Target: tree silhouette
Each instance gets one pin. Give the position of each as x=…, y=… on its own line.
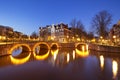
x=100, y=23
x=78, y=29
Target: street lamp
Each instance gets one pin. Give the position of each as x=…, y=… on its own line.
x=114, y=39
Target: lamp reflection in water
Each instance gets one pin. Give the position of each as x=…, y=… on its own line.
x=73, y=54
x=83, y=48
x=54, y=53
x=19, y=61
x=84, y=52
x=87, y=47
x=102, y=61
x=68, y=57
x=114, y=68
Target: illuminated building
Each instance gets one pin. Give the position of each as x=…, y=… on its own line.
x=59, y=32
x=114, y=33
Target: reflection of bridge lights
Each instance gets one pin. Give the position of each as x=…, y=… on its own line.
x=83, y=48
x=54, y=51
x=68, y=57
x=73, y=54
x=82, y=53
x=55, y=55
x=37, y=49
x=41, y=57
x=101, y=61
x=19, y=61
x=86, y=47
x=114, y=68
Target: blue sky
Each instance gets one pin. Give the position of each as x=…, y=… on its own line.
x=28, y=15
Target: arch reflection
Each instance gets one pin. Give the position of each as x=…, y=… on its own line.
x=17, y=51
x=82, y=53
x=54, y=53
x=18, y=61
x=42, y=56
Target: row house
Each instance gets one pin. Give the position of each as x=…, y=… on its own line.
x=114, y=33
x=59, y=32
x=6, y=32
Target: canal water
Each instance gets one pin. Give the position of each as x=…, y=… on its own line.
x=60, y=64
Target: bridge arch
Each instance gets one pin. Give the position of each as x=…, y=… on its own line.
x=54, y=46
x=39, y=43
x=25, y=47
x=77, y=44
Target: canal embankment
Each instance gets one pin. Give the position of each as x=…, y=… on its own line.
x=67, y=45
x=104, y=48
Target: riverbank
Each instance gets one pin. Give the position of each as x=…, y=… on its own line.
x=104, y=48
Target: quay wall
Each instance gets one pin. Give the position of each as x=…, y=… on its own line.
x=104, y=48
x=4, y=49
x=67, y=45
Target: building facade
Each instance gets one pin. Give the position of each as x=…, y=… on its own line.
x=59, y=32
x=114, y=33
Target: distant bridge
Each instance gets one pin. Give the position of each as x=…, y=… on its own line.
x=31, y=46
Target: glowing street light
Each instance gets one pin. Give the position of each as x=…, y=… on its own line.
x=101, y=38
x=114, y=37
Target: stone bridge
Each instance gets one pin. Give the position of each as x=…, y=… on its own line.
x=30, y=46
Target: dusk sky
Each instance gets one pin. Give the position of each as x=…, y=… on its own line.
x=28, y=15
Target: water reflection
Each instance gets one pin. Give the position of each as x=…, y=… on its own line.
x=68, y=57
x=54, y=53
x=82, y=53
x=102, y=61
x=17, y=61
x=17, y=51
x=114, y=68
x=73, y=54
x=37, y=49
x=41, y=54
x=74, y=61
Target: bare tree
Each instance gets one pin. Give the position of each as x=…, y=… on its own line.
x=77, y=28
x=90, y=35
x=80, y=29
x=73, y=26
x=100, y=23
